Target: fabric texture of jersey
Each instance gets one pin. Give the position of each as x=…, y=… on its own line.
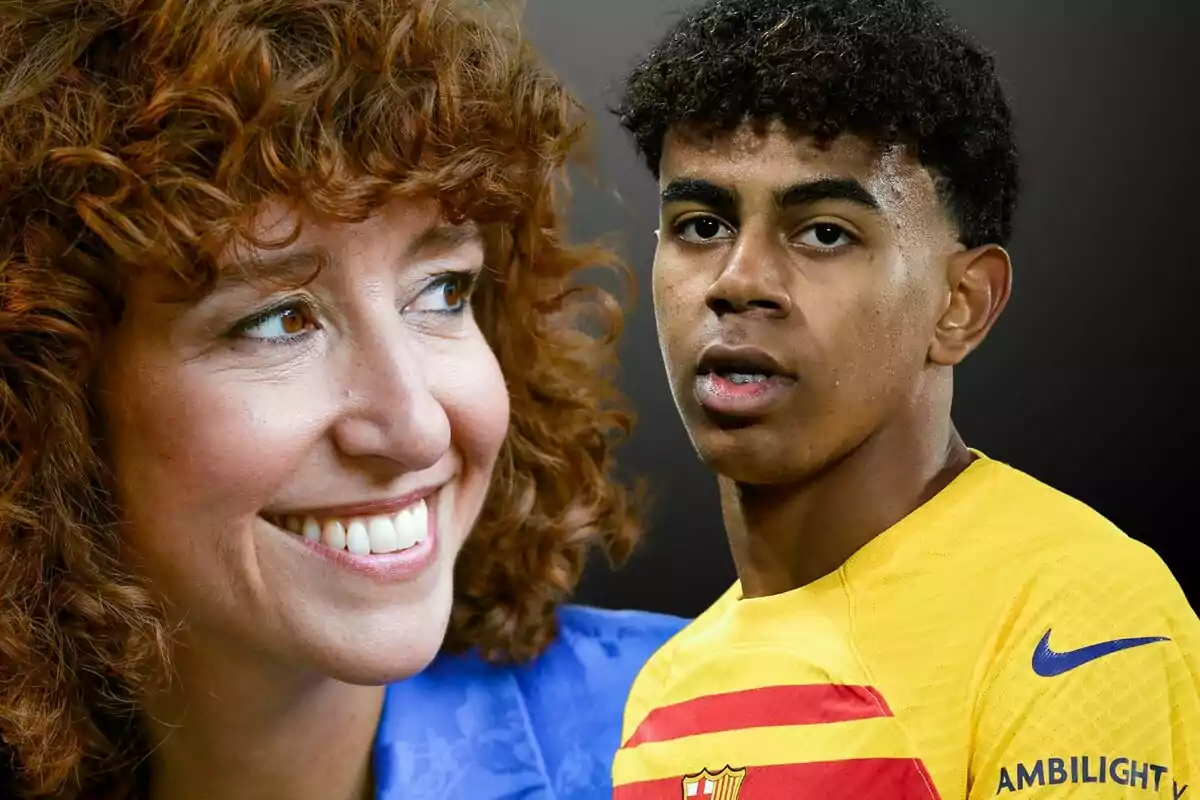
x=546, y=730
x=1002, y=640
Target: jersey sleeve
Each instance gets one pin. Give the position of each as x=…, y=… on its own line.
x=645, y=692
x=1094, y=689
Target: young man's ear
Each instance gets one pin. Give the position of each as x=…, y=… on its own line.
x=979, y=283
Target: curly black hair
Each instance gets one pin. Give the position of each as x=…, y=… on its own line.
x=891, y=71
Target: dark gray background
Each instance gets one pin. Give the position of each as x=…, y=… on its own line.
x=1086, y=381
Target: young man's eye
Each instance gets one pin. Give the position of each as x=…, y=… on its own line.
x=698, y=230
x=825, y=236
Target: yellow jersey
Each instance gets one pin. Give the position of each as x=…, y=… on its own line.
x=1002, y=640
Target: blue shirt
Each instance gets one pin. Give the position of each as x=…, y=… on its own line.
x=546, y=730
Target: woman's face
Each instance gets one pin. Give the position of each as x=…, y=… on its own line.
x=297, y=468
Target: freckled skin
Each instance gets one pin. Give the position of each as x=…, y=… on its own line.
x=380, y=398
x=870, y=327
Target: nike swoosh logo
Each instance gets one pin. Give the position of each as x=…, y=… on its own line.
x=1049, y=663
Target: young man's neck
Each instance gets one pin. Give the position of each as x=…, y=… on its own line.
x=234, y=728
x=786, y=536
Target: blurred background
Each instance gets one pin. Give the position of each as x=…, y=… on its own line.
x=1086, y=381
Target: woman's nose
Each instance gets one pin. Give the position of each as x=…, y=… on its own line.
x=390, y=411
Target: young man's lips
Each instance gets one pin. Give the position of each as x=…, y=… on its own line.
x=746, y=359
x=742, y=395
x=740, y=381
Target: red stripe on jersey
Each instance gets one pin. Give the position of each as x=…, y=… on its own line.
x=764, y=707
x=893, y=778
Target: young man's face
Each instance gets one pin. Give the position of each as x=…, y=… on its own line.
x=797, y=292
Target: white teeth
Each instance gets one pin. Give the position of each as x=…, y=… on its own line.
x=311, y=530
x=746, y=377
x=382, y=534
x=366, y=535
x=358, y=541
x=420, y=515
x=406, y=529
x=333, y=535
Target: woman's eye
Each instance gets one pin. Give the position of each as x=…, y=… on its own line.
x=446, y=295
x=699, y=230
x=825, y=236
x=287, y=322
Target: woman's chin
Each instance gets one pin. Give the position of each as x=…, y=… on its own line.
x=384, y=648
x=373, y=671
x=364, y=646
x=380, y=660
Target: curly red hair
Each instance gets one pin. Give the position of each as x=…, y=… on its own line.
x=142, y=135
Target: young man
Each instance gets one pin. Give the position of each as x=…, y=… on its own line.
x=912, y=619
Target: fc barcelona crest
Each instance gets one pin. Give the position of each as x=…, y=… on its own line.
x=721, y=785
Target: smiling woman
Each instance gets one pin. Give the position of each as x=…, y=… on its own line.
x=292, y=401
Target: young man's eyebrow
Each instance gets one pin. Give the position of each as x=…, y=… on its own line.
x=809, y=192
x=724, y=201
x=706, y=193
